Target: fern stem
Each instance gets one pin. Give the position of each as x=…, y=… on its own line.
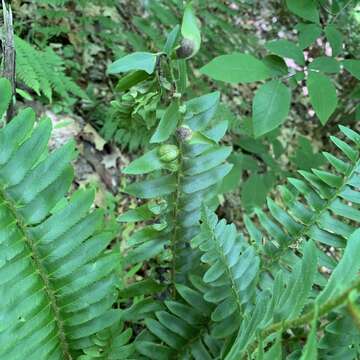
x=306, y=318
x=173, y=243
x=36, y=257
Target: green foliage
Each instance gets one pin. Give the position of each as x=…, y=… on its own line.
x=133, y=116
x=58, y=280
x=43, y=72
x=245, y=68
x=236, y=68
x=5, y=91
x=194, y=281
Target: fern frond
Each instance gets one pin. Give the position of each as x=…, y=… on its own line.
x=194, y=178
x=323, y=206
x=232, y=272
x=340, y=335
x=43, y=71
x=277, y=282
x=182, y=331
x=57, y=280
x=110, y=344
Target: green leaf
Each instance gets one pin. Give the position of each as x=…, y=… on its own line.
x=200, y=138
x=286, y=49
x=167, y=124
x=145, y=164
x=5, y=95
x=153, y=188
x=171, y=40
x=335, y=39
x=255, y=190
x=299, y=284
x=345, y=272
x=275, y=352
x=236, y=68
x=353, y=67
x=271, y=106
x=130, y=80
x=305, y=158
x=322, y=95
x=144, y=287
x=308, y=33
x=276, y=64
x=136, y=61
x=310, y=350
x=190, y=29
x=200, y=110
x=307, y=9
x=325, y=64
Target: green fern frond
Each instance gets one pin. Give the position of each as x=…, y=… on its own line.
x=323, y=206
x=184, y=183
x=110, y=344
x=232, y=272
x=43, y=71
x=57, y=279
x=340, y=335
x=132, y=117
x=182, y=331
x=278, y=282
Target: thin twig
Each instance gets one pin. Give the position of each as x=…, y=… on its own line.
x=8, y=48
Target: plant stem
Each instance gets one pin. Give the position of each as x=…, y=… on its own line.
x=307, y=317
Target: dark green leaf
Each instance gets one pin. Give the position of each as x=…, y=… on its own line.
x=307, y=9
x=286, y=49
x=145, y=163
x=353, y=67
x=171, y=40
x=276, y=64
x=200, y=110
x=322, y=95
x=335, y=39
x=345, y=272
x=126, y=82
x=325, y=64
x=167, y=124
x=308, y=33
x=270, y=107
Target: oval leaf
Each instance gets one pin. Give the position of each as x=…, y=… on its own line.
x=286, y=49
x=145, y=164
x=335, y=39
x=135, y=61
x=270, y=107
x=325, y=64
x=308, y=33
x=306, y=9
x=322, y=95
x=190, y=29
x=353, y=67
x=236, y=68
